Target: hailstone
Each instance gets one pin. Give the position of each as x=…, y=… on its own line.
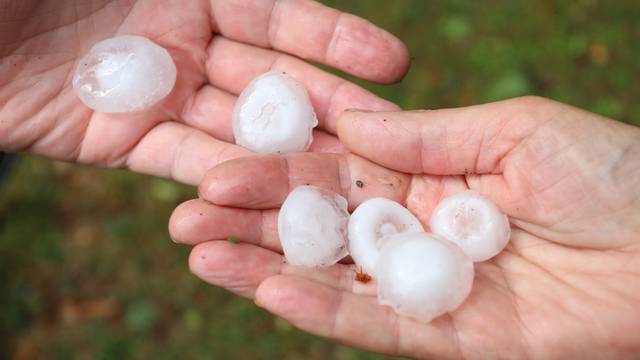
x=124, y=74
x=369, y=226
x=422, y=275
x=473, y=222
x=274, y=115
x=312, y=225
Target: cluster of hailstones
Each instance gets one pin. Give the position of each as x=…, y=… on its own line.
x=419, y=274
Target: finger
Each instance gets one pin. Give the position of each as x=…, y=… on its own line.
x=242, y=267
x=353, y=319
x=263, y=182
x=106, y=139
x=209, y=109
x=325, y=143
x=197, y=221
x=232, y=65
x=339, y=276
x=475, y=139
x=313, y=31
x=175, y=151
x=239, y=268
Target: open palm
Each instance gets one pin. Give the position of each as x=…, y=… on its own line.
x=218, y=47
x=566, y=286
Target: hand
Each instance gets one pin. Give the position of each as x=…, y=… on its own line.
x=218, y=47
x=566, y=286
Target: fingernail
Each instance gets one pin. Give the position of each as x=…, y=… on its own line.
x=258, y=303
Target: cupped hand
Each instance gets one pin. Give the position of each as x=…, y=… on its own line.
x=218, y=47
x=566, y=286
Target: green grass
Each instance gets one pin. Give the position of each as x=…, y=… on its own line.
x=584, y=53
x=87, y=269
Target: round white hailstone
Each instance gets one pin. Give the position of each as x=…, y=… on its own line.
x=369, y=226
x=124, y=74
x=312, y=226
x=473, y=222
x=273, y=115
x=422, y=275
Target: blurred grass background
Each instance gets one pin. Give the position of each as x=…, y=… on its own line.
x=87, y=269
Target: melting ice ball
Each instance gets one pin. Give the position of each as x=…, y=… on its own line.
x=124, y=74
x=422, y=275
x=473, y=222
x=369, y=226
x=274, y=115
x=312, y=226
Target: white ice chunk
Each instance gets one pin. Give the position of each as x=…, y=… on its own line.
x=274, y=115
x=312, y=226
x=124, y=74
x=473, y=222
x=369, y=225
x=422, y=275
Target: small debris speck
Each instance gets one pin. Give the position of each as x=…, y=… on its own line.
x=359, y=184
x=233, y=239
x=362, y=276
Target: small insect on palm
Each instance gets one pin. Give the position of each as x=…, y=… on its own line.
x=362, y=276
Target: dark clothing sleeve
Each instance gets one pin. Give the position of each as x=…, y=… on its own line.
x=5, y=165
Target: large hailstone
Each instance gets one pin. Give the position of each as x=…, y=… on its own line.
x=422, y=275
x=273, y=115
x=369, y=226
x=473, y=222
x=124, y=74
x=312, y=226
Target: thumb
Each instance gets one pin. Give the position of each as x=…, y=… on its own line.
x=469, y=140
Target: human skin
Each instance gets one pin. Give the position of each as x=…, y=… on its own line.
x=218, y=47
x=566, y=286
